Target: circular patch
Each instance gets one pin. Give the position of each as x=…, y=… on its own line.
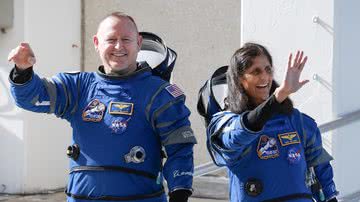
x=253, y=187
x=294, y=155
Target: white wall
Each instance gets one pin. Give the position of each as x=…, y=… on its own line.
x=346, y=92
x=32, y=146
x=11, y=124
x=286, y=26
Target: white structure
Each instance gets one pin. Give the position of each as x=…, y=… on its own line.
x=346, y=96
x=33, y=146
x=328, y=33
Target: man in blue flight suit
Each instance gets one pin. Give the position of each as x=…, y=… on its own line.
x=124, y=120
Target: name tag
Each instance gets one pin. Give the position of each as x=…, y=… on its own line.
x=121, y=108
x=289, y=138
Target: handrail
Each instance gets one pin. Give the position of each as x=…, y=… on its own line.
x=341, y=121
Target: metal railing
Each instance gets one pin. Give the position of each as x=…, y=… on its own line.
x=346, y=119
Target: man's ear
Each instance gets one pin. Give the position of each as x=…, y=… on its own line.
x=139, y=41
x=96, y=42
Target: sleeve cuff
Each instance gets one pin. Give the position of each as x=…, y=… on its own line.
x=20, y=77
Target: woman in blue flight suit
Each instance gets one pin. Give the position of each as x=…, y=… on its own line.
x=273, y=152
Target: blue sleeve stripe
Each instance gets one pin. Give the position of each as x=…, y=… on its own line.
x=77, y=98
x=160, y=110
x=148, y=106
x=312, y=150
x=312, y=141
x=66, y=94
x=320, y=159
x=165, y=124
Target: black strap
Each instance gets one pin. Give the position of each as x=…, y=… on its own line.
x=290, y=197
x=113, y=168
x=117, y=198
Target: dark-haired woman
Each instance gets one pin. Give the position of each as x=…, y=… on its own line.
x=273, y=152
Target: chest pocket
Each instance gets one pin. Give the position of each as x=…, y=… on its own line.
x=276, y=126
x=113, y=91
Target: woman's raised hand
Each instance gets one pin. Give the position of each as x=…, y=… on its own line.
x=291, y=82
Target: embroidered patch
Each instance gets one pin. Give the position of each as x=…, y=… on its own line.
x=119, y=125
x=294, y=155
x=174, y=90
x=289, y=138
x=121, y=108
x=267, y=148
x=94, y=111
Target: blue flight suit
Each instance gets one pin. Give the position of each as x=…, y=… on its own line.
x=122, y=125
x=271, y=164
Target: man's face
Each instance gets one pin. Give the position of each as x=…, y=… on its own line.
x=118, y=43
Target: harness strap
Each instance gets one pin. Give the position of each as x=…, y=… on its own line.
x=113, y=168
x=290, y=197
x=117, y=198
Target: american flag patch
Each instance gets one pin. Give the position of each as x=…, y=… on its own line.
x=174, y=90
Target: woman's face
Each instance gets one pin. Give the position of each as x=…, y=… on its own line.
x=257, y=79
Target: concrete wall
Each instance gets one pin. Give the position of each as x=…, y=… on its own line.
x=331, y=42
x=204, y=34
x=11, y=124
x=32, y=146
x=346, y=95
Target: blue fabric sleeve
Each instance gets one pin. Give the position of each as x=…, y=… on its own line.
x=318, y=157
x=315, y=154
x=170, y=119
x=324, y=174
x=228, y=140
x=57, y=95
x=179, y=166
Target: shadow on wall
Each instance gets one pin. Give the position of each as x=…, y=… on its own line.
x=11, y=143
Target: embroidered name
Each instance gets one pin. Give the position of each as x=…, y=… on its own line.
x=178, y=173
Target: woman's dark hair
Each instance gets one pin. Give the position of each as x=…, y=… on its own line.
x=237, y=100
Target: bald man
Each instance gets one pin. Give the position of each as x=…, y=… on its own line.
x=125, y=120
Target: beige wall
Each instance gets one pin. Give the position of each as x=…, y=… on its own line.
x=204, y=33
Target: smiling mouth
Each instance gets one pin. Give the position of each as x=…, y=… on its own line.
x=263, y=86
x=118, y=54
